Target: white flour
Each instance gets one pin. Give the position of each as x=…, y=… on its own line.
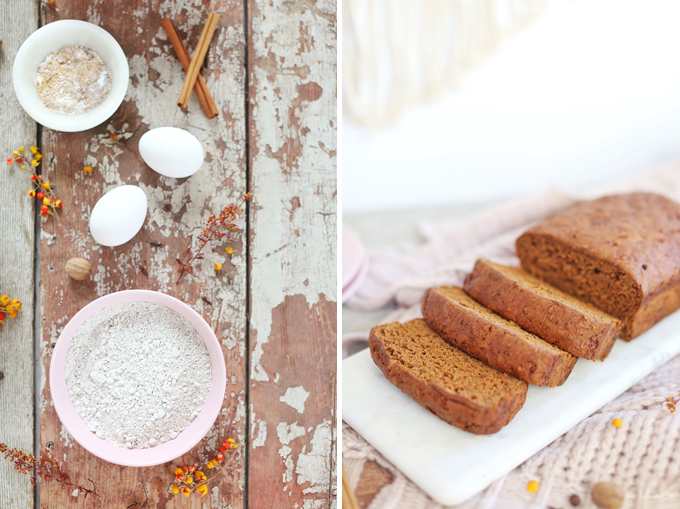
x=138, y=373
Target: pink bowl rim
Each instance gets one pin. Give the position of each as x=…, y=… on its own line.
x=162, y=453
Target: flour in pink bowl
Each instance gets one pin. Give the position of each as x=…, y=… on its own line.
x=138, y=374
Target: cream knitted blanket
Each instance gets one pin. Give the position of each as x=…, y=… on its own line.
x=640, y=456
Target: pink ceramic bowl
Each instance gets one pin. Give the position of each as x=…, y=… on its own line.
x=167, y=451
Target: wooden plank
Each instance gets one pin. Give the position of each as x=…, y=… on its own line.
x=17, y=251
x=177, y=208
x=292, y=133
x=373, y=478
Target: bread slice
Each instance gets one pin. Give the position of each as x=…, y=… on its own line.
x=449, y=383
x=492, y=339
x=554, y=316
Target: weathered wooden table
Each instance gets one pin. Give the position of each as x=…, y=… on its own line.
x=272, y=71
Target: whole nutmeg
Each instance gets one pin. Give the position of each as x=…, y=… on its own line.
x=608, y=496
x=78, y=268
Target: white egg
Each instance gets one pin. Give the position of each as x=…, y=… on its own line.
x=172, y=152
x=118, y=215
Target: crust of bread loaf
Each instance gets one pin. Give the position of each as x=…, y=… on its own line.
x=554, y=316
x=460, y=411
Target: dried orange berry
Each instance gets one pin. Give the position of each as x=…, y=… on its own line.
x=46, y=185
x=218, y=266
x=617, y=423
x=40, y=195
x=219, y=457
x=46, y=201
x=114, y=137
x=31, y=193
x=229, y=250
x=532, y=487
x=10, y=160
x=58, y=204
x=192, y=468
x=175, y=489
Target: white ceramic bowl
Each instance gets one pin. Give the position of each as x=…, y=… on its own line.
x=51, y=38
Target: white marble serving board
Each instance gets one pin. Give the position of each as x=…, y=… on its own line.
x=452, y=465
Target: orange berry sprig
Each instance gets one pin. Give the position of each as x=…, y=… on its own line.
x=50, y=4
x=190, y=479
x=46, y=468
x=9, y=306
x=216, y=227
x=42, y=190
x=671, y=402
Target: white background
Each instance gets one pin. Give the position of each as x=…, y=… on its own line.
x=587, y=93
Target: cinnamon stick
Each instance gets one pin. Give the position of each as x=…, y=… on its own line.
x=201, y=89
x=197, y=59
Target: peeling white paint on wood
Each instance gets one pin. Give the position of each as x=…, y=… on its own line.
x=16, y=271
x=295, y=397
x=314, y=467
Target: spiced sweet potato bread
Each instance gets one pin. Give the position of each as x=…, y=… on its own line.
x=554, y=316
x=620, y=253
x=449, y=383
x=492, y=339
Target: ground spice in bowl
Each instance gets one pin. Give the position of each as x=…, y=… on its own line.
x=137, y=373
x=73, y=80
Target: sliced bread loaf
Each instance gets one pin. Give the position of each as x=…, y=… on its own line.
x=492, y=339
x=449, y=383
x=620, y=253
x=560, y=319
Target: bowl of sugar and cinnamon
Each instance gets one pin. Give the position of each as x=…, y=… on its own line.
x=70, y=75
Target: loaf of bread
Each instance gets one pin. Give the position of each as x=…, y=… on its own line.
x=492, y=339
x=554, y=316
x=620, y=253
x=449, y=383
